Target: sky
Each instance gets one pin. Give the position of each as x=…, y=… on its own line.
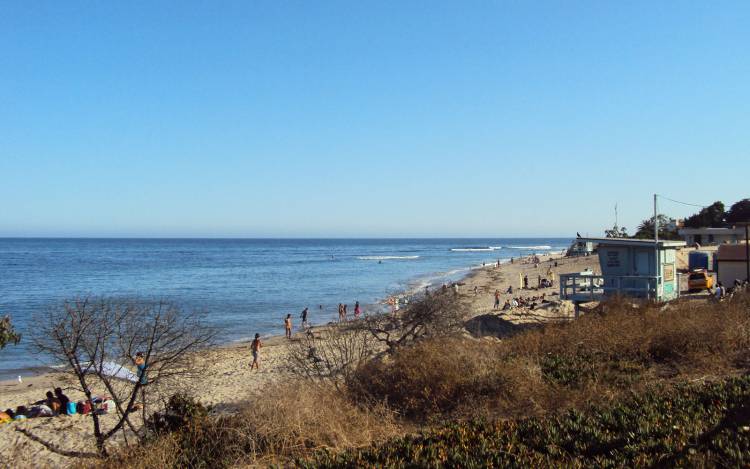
x=367, y=119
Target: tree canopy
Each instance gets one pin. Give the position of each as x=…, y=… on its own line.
x=739, y=211
x=8, y=335
x=713, y=216
x=646, y=229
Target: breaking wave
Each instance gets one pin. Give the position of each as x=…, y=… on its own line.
x=477, y=249
x=385, y=258
x=545, y=247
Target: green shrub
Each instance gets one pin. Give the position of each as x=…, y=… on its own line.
x=689, y=425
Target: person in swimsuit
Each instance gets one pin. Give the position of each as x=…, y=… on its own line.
x=255, y=348
x=357, y=310
x=497, y=299
x=288, y=326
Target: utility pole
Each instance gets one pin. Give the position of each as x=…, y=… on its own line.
x=656, y=221
x=656, y=247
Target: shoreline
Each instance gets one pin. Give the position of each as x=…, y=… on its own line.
x=32, y=373
x=41, y=373
x=226, y=380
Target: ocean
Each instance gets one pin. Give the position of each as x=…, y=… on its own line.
x=245, y=285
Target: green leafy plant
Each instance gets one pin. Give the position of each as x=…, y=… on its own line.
x=8, y=334
x=698, y=425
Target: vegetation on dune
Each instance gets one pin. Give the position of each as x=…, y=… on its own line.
x=622, y=385
x=689, y=425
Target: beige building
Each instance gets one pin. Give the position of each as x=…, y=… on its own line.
x=732, y=263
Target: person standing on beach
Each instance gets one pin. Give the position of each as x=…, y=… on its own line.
x=497, y=299
x=288, y=326
x=525, y=282
x=343, y=312
x=255, y=348
x=357, y=310
x=304, y=318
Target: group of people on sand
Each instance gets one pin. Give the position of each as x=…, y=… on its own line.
x=54, y=404
x=256, y=344
x=530, y=302
x=541, y=282
x=344, y=311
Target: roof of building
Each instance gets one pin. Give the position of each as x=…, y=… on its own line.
x=714, y=231
x=634, y=242
x=732, y=252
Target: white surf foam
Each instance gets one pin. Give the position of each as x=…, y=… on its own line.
x=531, y=247
x=488, y=248
x=384, y=258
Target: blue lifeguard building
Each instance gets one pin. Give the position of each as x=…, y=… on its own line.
x=638, y=268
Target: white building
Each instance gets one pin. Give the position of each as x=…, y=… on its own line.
x=707, y=236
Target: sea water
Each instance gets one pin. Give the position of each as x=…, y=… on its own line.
x=245, y=285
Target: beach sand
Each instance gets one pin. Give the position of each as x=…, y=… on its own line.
x=226, y=379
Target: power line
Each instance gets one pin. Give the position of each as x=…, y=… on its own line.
x=683, y=203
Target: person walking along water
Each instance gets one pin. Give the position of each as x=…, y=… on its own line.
x=255, y=348
x=303, y=316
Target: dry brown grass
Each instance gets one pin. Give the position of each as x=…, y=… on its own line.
x=600, y=357
x=596, y=358
x=284, y=422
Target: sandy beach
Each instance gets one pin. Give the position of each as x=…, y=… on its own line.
x=226, y=378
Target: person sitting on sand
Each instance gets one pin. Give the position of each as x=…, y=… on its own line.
x=288, y=326
x=20, y=413
x=53, y=403
x=64, y=400
x=255, y=348
x=506, y=306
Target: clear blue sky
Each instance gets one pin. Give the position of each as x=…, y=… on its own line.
x=348, y=118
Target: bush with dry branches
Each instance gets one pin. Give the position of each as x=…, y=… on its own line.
x=94, y=337
x=332, y=353
x=434, y=315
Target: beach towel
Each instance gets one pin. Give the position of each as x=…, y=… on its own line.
x=115, y=370
x=40, y=411
x=71, y=407
x=4, y=418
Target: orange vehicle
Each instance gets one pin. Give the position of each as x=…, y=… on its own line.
x=700, y=280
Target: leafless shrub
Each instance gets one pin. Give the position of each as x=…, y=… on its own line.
x=332, y=353
x=429, y=316
x=95, y=337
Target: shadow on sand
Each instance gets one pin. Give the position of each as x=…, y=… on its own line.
x=491, y=325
